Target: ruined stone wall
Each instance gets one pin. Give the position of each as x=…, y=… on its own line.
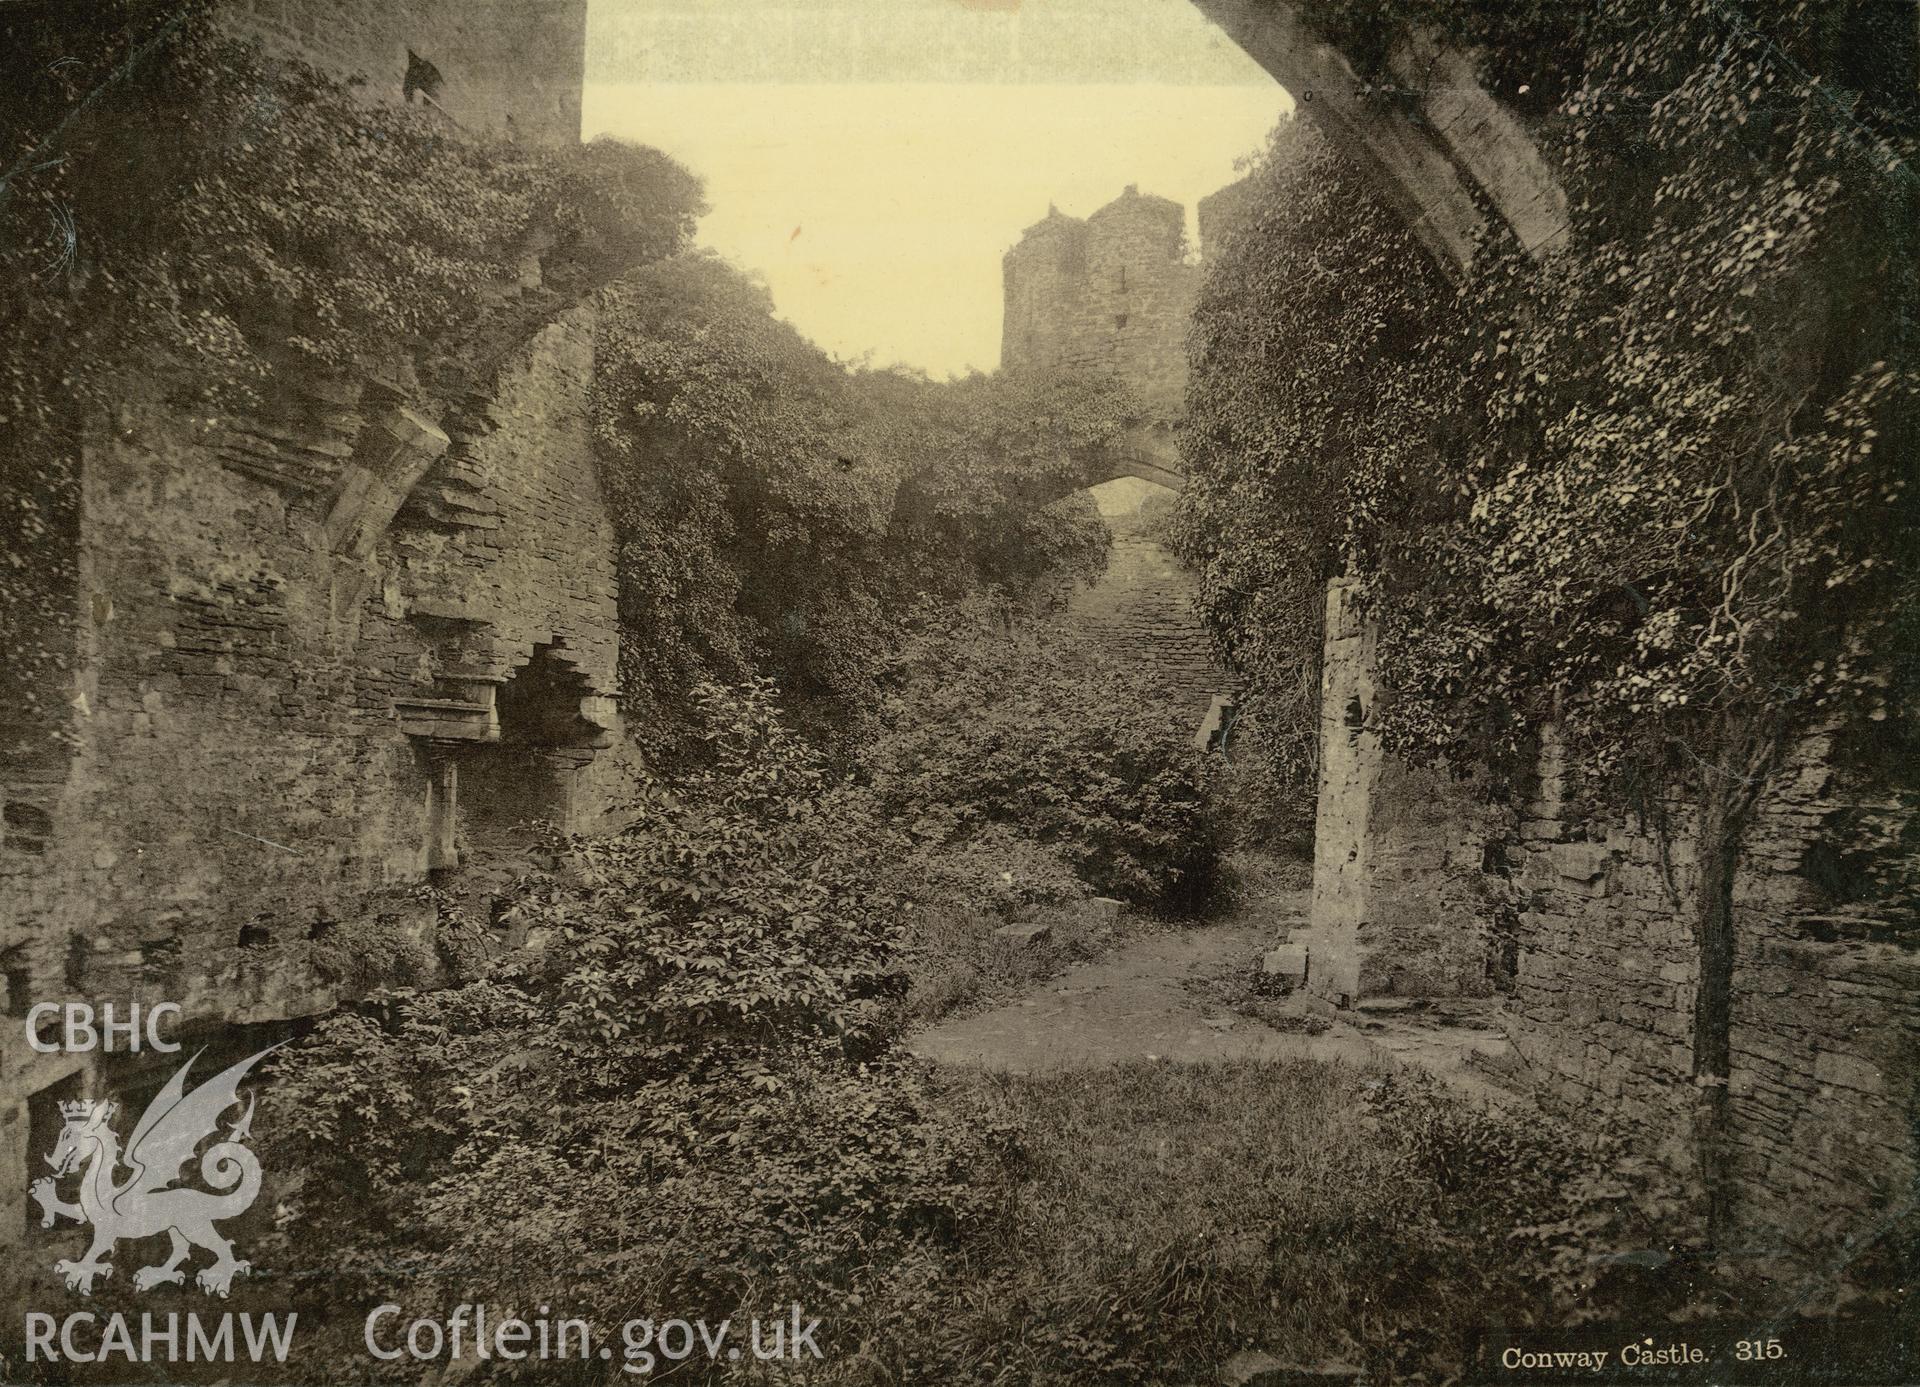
x=1141, y=608
x=513, y=67
x=1826, y=1004
x=1350, y=759
x=1588, y=924
x=1403, y=901
x=296, y=628
x=1112, y=293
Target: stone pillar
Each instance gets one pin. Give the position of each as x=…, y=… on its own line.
x=1349, y=775
x=443, y=805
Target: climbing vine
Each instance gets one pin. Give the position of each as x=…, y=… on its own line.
x=1662, y=480
x=1304, y=372
x=780, y=513
x=1656, y=490
x=177, y=206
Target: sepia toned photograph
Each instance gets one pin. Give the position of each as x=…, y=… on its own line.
x=959, y=693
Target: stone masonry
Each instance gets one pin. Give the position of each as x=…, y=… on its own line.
x=1113, y=292
x=322, y=649
x=1587, y=924
x=289, y=655
x=1406, y=898
x=1826, y=999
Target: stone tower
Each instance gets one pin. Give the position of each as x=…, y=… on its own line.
x=1113, y=292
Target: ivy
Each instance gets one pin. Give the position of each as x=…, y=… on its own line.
x=1681, y=499
x=1654, y=484
x=779, y=513
x=181, y=208
x=1656, y=491
x=1305, y=376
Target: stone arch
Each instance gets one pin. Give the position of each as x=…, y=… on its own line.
x=1436, y=155
x=1146, y=451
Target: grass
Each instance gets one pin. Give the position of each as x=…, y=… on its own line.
x=957, y=964
x=1160, y=1218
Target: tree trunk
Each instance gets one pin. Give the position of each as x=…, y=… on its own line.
x=1729, y=789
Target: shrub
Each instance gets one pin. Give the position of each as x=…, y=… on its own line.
x=668, y=1099
x=780, y=513
x=1031, y=730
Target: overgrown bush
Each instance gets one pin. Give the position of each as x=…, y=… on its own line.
x=213, y=206
x=1028, y=728
x=671, y=1099
x=779, y=513
x=1269, y=779
x=1303, y=361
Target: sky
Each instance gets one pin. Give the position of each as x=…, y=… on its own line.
x=872, y=160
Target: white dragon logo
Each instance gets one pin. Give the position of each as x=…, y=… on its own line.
x=142, y=1205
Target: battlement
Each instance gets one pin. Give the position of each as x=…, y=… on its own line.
x=1111, y=292
x=509, y=67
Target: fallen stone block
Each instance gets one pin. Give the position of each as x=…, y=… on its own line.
x=1245, y=1367
x=1024, y=935
x=1286, y=961
x=1106, y=909
x=1216, y=726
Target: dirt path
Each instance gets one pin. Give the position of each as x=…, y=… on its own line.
x=1139, y=1004
x=1127, y=1007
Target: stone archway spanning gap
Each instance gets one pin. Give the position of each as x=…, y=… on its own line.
x=1433, y=156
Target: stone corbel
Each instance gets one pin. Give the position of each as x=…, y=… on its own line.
x=390, y=457
x=600, y=712
x=458, y=712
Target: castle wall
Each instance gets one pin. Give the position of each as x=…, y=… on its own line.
x=1042, y=279
x=1588, y=924
x=512, y=67
x=1826, y=1006
x=295, y=628
x=1403, y=901
x=1113, y=293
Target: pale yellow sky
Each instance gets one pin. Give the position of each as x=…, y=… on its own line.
x=873, y=161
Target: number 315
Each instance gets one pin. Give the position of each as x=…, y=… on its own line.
x=1749, y=1350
